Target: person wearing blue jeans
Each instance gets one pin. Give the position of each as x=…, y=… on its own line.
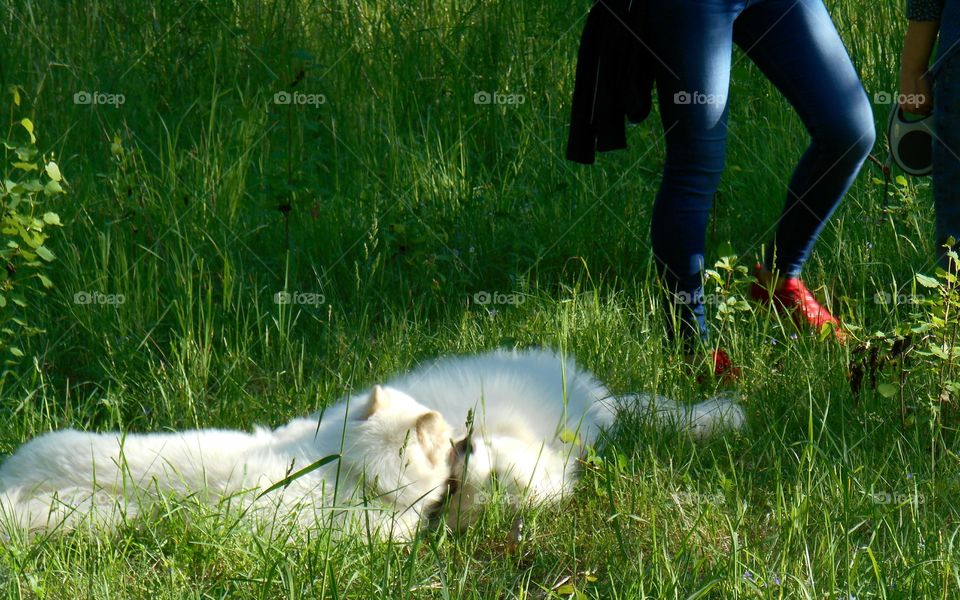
x=928, y=20
x=795, y=45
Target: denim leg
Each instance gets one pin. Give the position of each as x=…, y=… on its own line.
x=796, y=45
x=946, y=155
x=693, y=41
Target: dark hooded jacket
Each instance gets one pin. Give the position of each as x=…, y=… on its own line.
x=614, y=79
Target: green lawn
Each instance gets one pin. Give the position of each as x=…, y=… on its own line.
x=385, y=199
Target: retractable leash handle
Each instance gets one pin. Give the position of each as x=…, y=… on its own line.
x=910, y=142
x=910, y=147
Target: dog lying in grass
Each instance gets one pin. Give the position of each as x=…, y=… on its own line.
x=394, y=460
x=520, y=418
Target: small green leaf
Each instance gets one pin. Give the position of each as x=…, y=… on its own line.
x=713, y=275
x=826, y=330
x=45, y=253
x=901, y=181
x=45, y=280
x=565, y=589
x=52, y=218
x=887, y=390
x=53, y=171
x=52, y=187
x=16, y=351
x=28, y=125
x=25, y=166
x=926, y=281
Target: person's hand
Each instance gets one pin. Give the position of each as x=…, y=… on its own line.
x=916, y=93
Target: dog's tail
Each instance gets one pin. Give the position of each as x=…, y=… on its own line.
x=703, y=420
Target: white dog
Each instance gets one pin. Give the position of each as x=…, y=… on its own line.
x=524, y=417
x=394, y=461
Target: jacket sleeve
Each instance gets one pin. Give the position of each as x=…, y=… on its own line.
x=582, y=140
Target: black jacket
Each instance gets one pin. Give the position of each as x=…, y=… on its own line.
x=614, y=79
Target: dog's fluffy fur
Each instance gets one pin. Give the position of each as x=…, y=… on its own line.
x=523, y=418
x=519, y=417
x=394, y=461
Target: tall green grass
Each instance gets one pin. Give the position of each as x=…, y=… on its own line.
x=397, y=200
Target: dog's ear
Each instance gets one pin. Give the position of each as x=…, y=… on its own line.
x=376, y=401
x=433, y=435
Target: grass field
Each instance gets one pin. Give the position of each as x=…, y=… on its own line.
x=391, y=205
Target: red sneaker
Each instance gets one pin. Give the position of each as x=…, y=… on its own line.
x=721, y=367
x=793, y=296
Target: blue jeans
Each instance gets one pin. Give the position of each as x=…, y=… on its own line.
x=946, y=154
x=795, y=44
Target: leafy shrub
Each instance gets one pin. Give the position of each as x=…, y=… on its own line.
x=29, y=181
x=925, y=346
